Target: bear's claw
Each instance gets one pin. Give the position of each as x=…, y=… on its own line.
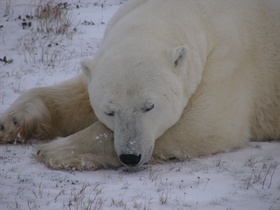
x=11, y=130
x=2, y=127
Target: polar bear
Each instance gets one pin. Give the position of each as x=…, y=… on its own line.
x=172, y=79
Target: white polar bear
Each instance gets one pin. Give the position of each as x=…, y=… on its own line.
x=172, y=79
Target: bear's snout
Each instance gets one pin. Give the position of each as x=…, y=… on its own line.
x=130, y=159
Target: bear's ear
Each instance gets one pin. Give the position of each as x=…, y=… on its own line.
x=179, y=56
x=86, y=67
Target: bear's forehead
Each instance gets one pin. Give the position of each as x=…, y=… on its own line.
x=133, y=92
x=127, y=81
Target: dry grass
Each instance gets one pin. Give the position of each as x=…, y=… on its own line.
x=79, y=201
x=46, y=50
x=262, y=172
x=53, y=17
x=51, y=24
x=8, y=8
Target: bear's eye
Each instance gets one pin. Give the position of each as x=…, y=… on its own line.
x=148, y=107
x=111, y=114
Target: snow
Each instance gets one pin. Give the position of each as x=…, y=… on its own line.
x=248, y=178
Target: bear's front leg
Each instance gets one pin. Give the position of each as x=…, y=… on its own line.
x=89, y=149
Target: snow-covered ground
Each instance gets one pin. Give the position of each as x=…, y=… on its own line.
x=246, y=179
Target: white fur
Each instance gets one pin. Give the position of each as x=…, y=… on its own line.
x=182, y=78
x=177, y=52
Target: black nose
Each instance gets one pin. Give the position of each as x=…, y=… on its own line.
x=130, y=160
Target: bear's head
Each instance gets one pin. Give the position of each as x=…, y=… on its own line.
x=138, y=96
